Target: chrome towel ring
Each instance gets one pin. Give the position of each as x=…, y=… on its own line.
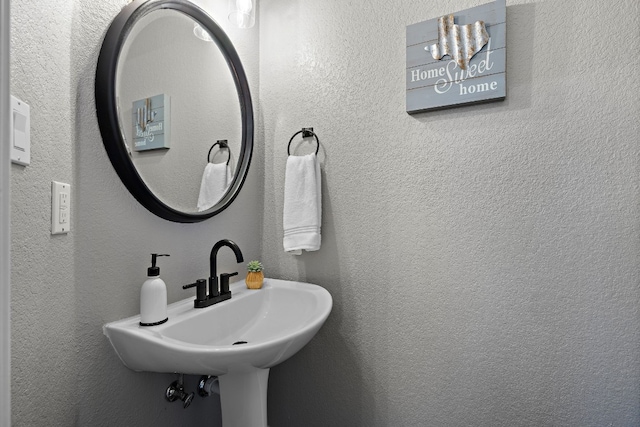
x=223, y=144
x=306, y=133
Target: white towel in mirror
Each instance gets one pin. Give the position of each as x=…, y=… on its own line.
x=215, y=181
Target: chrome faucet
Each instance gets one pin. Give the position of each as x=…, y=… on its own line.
x=216, y=294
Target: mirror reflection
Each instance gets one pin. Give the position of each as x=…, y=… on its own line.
x=176, y=100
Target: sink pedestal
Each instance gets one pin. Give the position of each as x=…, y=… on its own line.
x=243, y=398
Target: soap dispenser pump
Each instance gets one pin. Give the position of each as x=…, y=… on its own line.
x=153, y=296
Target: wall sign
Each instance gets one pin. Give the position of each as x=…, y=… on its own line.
x=151, y=123
x=457, y=59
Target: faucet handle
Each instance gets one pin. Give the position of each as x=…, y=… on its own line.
x=224, y=282
x=201, y=289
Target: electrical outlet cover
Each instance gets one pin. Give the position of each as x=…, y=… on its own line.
x=60, y=208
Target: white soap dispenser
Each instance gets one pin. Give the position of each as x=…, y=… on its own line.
x=153, y=297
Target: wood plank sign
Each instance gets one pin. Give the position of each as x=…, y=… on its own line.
x=457, y=59
x=151, y=120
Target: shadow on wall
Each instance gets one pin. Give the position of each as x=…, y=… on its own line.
x=328, y=362
x=329, y=365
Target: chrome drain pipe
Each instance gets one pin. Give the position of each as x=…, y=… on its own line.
x=208, y=385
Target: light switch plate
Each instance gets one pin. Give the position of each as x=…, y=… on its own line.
x=20, y=132
x=60, y=208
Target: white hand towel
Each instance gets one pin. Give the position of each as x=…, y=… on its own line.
x=302, y=216
x=215, y=181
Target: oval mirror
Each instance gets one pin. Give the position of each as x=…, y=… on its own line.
x=174, y=109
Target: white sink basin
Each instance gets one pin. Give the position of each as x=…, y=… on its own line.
x=275, y=322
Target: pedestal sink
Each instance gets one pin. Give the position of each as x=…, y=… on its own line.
x=238, y=340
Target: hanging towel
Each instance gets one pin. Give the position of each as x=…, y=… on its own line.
x=302, y=204
x=215, y=181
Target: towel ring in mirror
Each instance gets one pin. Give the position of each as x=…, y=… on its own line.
x=223, y=145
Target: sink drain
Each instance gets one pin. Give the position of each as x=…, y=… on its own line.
x=239, y=342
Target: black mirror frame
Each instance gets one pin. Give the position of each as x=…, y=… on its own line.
x=107, y=112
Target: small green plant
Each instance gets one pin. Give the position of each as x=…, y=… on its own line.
x=254, y=266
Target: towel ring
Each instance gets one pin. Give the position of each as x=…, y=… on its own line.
x=306, y=132
x=223, y=144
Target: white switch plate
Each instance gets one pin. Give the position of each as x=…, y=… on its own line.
x=20, y=132
x=60, y=207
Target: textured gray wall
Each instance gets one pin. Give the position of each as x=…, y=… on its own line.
x=64, y=288
x=483, y=261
